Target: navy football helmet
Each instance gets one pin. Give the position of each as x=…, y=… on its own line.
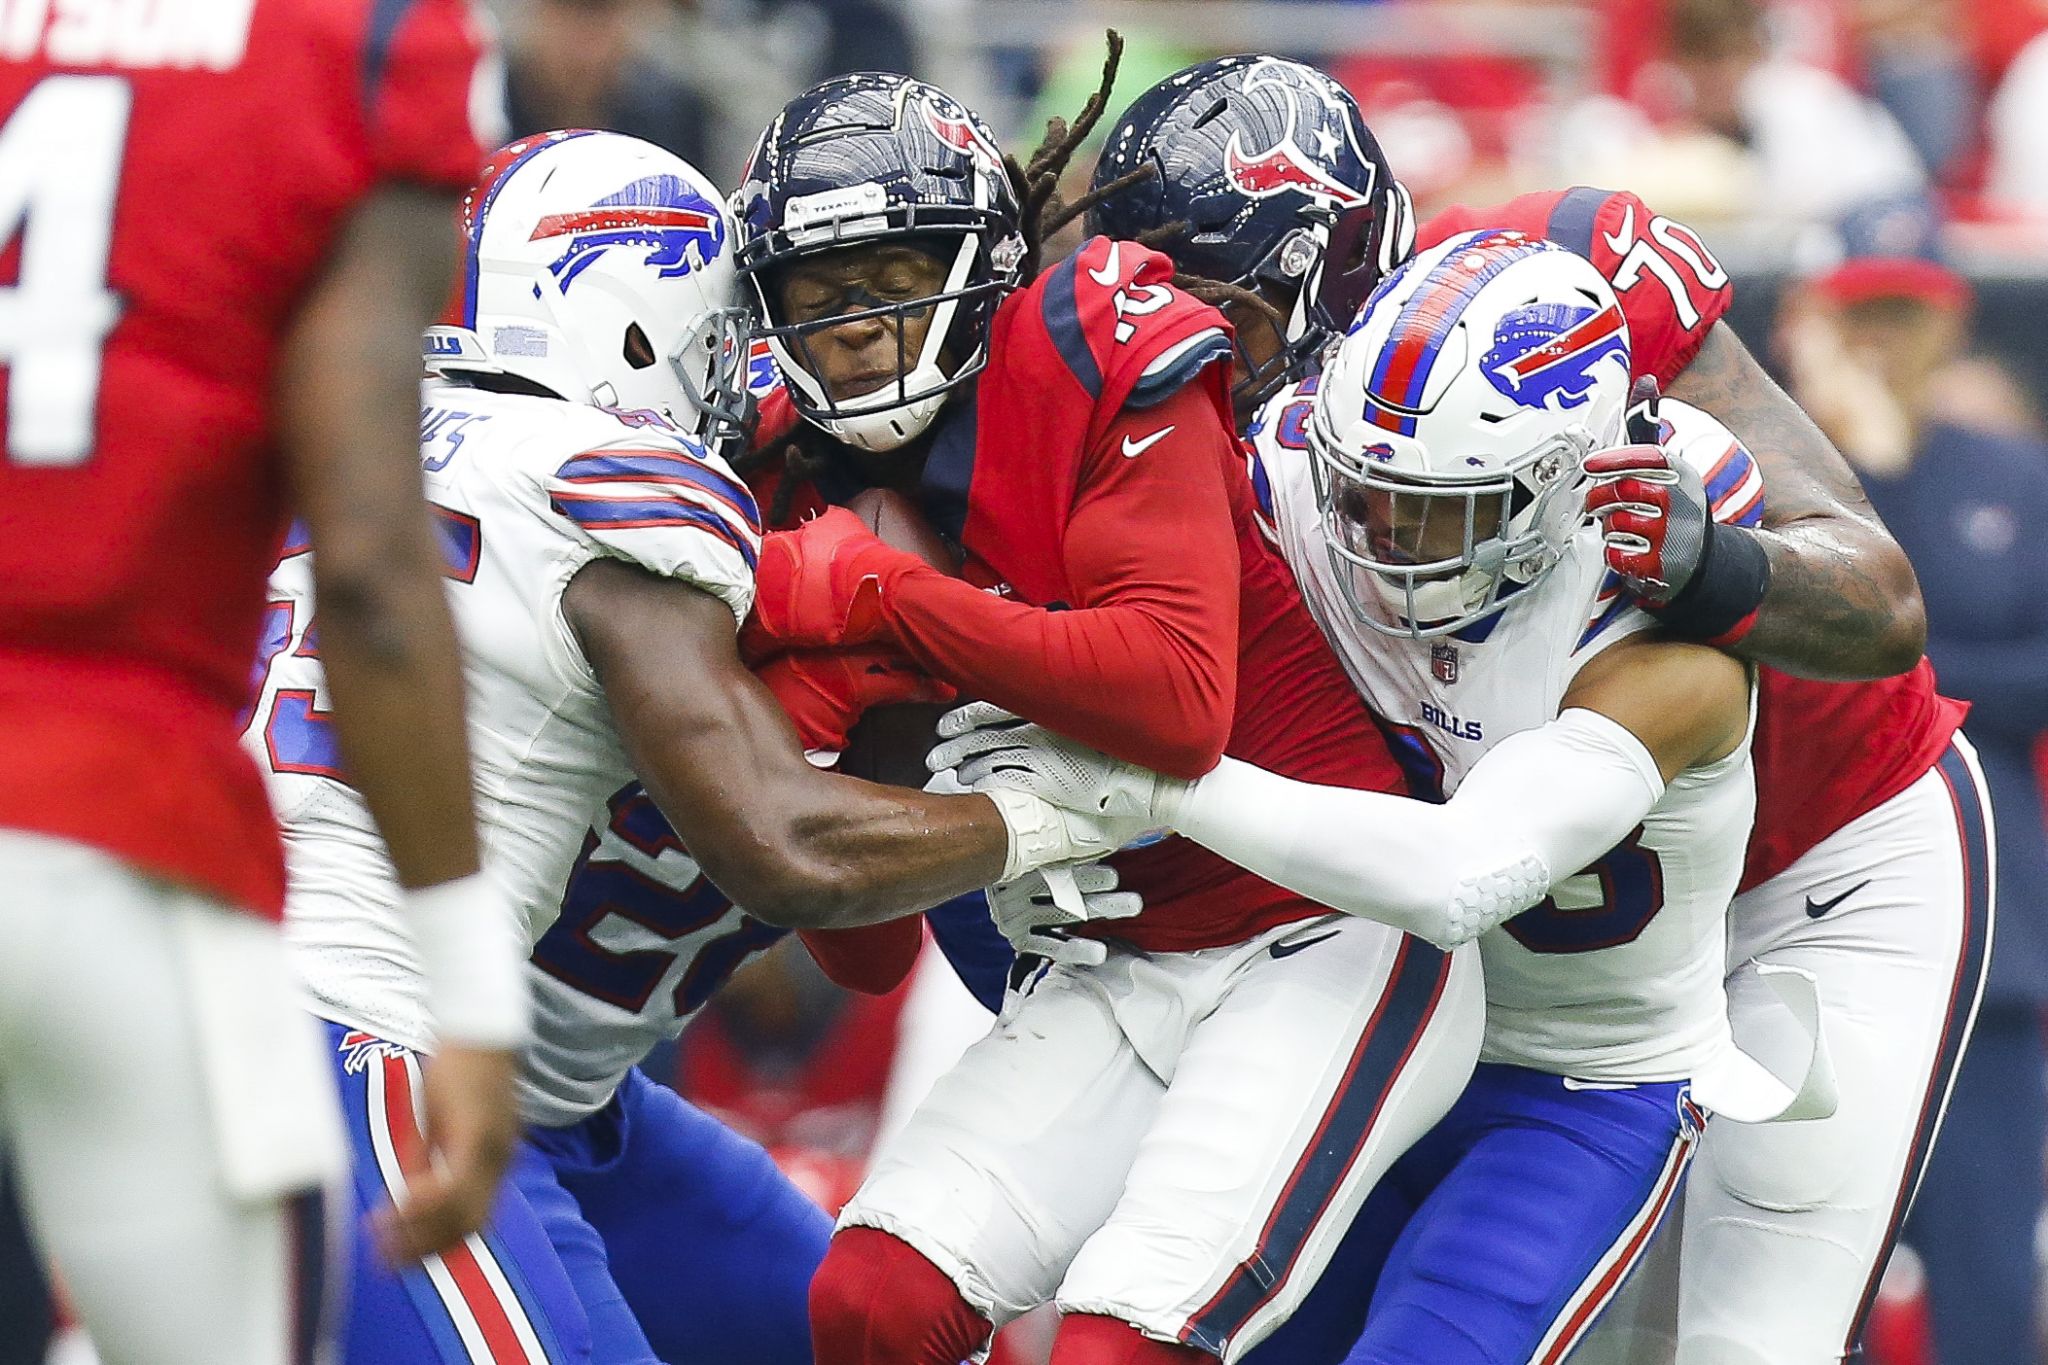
x=871, y=158
x=1275, y=181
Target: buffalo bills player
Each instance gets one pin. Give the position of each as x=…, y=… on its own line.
x=226, y=226
x=1107, y=1146
x=1852, y=777
x=599, y=559
x=1430, y=501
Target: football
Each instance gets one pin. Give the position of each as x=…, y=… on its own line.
x=890, y=742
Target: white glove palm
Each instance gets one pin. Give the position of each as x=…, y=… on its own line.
x=1035, y=911
x=987, y=747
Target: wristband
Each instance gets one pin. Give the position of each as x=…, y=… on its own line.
x=472, y=948
x=1719, y=606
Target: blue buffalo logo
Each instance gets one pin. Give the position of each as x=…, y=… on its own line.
x=1378, y=450
x=1544, y=355
x=664, y=213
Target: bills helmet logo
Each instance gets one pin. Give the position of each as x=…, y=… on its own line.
x=1378, y=450
x=1287, y=165
x=1544, y=355
x=682, y=230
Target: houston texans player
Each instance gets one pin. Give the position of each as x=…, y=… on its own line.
x=1107, y=1146
x=1429, y=497
x=225, y=227
x=1852, y=777
x=599, y=560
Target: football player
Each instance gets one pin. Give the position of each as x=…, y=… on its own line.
x=1110, y=1146
x=1261, y=172
x=226, y=226
x=598, y=560
x=1585, y=785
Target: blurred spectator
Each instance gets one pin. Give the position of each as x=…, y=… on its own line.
x=1724, y=128
x=1922, y=72
x=1865, y=346
x=2017, y=181
x=586, y=64
x=799, y=1065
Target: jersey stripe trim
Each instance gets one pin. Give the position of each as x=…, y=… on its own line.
x=1061, y=313
x=306, y=1235
x=1582, y=1308
x=1573, y=218
x=1972, y=806
x=596, y=512
x=1406, y=1008
x=1177, y=366
x=385, y=18
x=642, y=465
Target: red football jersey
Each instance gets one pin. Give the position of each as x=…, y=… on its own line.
x=175, y=178
x=1825, y=752
x=1096, y=336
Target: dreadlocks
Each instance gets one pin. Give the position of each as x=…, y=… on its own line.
x=1036, y=182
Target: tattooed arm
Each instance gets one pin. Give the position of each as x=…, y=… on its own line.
x=1843, y=603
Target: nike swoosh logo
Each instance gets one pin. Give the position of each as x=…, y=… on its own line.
x=1110, y=273
x=1815, y=909
x=1133, y=449
x=1574, y=1083
x=1290, y=949
x=1619, y=242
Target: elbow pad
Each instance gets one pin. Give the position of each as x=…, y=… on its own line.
x=1481, y=899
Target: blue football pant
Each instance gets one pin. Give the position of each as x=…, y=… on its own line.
x=1499, y=1237
x=684, y=1241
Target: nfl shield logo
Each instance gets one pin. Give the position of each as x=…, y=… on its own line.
x=1443, y=661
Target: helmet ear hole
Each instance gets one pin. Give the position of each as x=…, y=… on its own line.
x=638, y=350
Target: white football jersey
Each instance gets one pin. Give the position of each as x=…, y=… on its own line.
x=1618, y=975
x=525, y=492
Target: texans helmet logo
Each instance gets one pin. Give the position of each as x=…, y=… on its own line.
x=1543, y=355
x=1281, y=168
x=662, y=212
x=956, y=129
x=1286, y=165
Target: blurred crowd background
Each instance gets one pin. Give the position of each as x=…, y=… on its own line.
x=1874, y=176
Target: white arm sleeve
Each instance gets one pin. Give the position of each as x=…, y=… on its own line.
x=1539, y=806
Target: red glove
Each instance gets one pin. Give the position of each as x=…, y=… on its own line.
x=822, y=585
x=827, y=691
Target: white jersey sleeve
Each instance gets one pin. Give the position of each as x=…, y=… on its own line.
x=525, y=492
x=667, y=506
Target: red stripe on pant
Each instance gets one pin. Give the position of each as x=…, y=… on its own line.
x=492, y=1316
x=1611, y=1280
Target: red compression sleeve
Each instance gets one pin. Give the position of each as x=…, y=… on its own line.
x=1145, y=665
x=873, y=959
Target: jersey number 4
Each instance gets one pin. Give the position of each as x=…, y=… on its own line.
x=60, y=170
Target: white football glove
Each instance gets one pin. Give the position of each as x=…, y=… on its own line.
x=1040, y=833
x=1035, y=911
x=989, y=749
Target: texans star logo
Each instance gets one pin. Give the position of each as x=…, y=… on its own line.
x=663, y=212
x=1543, y=355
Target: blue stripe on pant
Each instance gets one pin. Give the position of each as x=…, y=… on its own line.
x=1973, y=826
x=684, y=1241
x=1416, y=985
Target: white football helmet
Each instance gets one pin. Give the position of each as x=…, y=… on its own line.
x=600, y=268
x=1451, y=427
